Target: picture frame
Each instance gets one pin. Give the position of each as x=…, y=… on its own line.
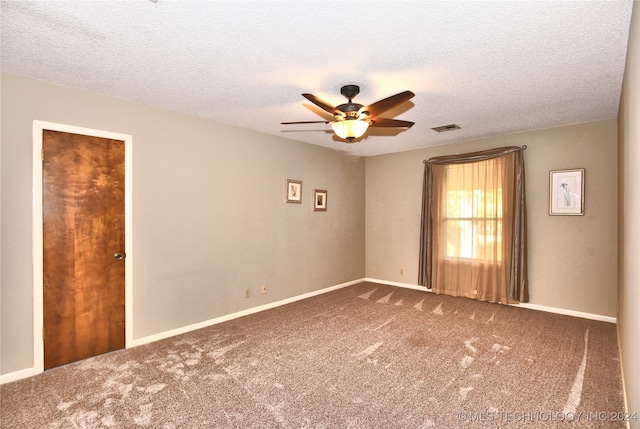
x=320, y=200
x=293, y=191
x=566, y=192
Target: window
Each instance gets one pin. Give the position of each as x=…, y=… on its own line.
x=472, y=217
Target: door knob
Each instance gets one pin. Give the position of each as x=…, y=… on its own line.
x=118, y=256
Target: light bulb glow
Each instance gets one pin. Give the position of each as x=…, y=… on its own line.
x=350, y=129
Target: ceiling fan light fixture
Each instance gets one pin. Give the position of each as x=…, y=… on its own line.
x=351, y=120
x=350, y=129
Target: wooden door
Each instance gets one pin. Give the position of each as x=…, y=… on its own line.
x=83, y=246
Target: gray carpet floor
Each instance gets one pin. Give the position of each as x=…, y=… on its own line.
x=365, y=356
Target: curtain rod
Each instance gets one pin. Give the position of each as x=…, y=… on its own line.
x=523, y=147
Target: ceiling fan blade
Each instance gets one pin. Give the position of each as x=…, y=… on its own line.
x=388, y=103
x=304, y=122
x=322, y=104
x=384, y=122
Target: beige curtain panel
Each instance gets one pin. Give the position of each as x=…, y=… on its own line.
x=474, y=226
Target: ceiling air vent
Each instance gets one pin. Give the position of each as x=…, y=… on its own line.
x=444, y=128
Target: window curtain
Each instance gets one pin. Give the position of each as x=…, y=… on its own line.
x=473, y=230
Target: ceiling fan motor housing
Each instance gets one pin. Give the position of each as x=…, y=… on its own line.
x=350, y=109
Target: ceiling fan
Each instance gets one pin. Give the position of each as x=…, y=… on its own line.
x=351, y=120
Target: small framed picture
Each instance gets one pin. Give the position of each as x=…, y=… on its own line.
x=566, y=192
x=294, y=191
x=320, y=200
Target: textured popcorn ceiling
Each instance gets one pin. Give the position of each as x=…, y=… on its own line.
x=492, y=67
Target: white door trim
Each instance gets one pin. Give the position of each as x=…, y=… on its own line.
x=38, y=280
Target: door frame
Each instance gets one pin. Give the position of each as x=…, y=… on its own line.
x=38, y=243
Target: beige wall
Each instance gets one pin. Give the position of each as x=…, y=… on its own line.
x=572, y=259
x=209, y=217
x=629, y=292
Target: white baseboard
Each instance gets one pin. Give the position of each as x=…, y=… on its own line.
x=28, y=372
x=624, y=388
x=204, y=324
x=528, y=305
x=566, y=312
x=404, y=285
x=18, y=375
x=25, y=373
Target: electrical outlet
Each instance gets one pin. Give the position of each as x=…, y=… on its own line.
x=402, y=271
x=264, y=288
x=247, y=293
